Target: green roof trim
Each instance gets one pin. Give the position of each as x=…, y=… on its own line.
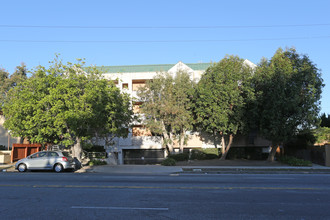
x=148, y=68
x=199, y=66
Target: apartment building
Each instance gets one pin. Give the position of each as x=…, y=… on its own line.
x=140, y=146
x=5, y=139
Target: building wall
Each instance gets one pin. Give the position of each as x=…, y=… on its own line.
x=140, y=137
x=4, y=135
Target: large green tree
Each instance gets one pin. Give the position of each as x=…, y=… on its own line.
x=288, y=89
x=67, y=104
x=221, y=97
x=167, y=107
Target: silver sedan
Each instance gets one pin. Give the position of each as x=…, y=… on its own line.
x=46, y=160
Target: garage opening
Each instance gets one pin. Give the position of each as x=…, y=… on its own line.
x=138, y=156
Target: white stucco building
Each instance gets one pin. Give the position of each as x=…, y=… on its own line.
x=140, y=147
x=5, y=139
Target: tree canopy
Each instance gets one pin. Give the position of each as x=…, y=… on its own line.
x=66, y=104
x=220, y=99
x=325, y=120
x=167, y=106
x=288, y=89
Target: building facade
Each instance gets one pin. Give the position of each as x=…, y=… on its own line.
x=6, y=140
x=140, y=146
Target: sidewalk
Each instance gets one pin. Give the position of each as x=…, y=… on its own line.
x=7, y=167
x=158, y=169
x=131, y=169
x=223, y=167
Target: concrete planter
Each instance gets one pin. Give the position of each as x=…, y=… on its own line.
x=5, y=157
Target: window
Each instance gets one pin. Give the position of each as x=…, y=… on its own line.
x=52, y=154
x=125, y=86
x=39, y=154
x=66, y=154
x=139, y=130
x=136, y=84
x=136, y=107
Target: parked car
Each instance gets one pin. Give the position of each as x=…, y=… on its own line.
x=46, y=160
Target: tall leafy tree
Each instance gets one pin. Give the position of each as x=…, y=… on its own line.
x=221, y=97
x=288, y=89
x=66, y=104
x=167, y=107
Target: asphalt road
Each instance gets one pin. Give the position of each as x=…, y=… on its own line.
x=46, y=195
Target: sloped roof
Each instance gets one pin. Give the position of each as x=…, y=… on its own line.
x=149, y=68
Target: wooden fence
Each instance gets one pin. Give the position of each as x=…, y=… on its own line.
x=20, y=151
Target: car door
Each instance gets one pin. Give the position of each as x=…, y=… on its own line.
x=52, y=159
x=38, y=160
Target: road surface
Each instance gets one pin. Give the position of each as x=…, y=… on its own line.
x=47, y=195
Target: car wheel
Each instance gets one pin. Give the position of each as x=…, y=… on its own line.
x=58, y=168
x=22, y=167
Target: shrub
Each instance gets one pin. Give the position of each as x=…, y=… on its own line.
x=249, y=153
x=293, y=161
x=211, y=156
x=204, y=154
x=214, y=151
x=179, y=157
x=97, y=162
x=168, y=162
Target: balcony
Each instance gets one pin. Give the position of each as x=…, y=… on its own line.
x=141, y=142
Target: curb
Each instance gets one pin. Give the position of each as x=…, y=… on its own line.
x=85, y=169
x=256, y=170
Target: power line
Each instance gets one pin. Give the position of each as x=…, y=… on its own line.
x=162, y=41
x=161, y=27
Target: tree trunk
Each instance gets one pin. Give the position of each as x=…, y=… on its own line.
x=224, y=155
x=76, y=149
x=272, y=153
x=168, y=139
x=223, y=145
x=170, y=143
x=182, y=141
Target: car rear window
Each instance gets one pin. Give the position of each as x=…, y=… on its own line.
x=66, y=154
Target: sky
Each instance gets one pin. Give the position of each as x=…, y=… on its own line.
x=130, y=32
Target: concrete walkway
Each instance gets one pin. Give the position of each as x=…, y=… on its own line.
x=158, y=169
x=132, y=169
x=5, y=167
